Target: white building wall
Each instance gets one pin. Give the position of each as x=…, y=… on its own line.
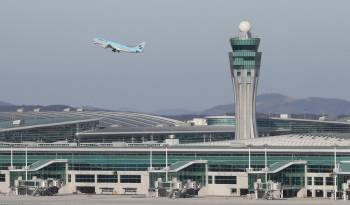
x=142, y=188
x=325, y=188
x=225, y=189
x=5, y=186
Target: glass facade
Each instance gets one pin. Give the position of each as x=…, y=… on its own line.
x=48, y=134
x=160, y=138
x=275, y=126
x=301, y=126
x=245, y=53
x=292, y=177
x=221, y=120
x=194, y=172
x=218, y=162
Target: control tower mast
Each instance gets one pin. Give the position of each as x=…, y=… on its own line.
x=245, y=67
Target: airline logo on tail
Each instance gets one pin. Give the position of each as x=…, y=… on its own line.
x=117, y=47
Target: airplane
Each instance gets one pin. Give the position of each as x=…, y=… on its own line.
x=117, y=47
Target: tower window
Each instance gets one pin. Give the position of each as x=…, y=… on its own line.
x=238, y=73
x=248, y=73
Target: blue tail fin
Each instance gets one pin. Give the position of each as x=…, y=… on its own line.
x=141, y=46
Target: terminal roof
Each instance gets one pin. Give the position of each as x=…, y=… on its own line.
x=290, y=140
x=39, y=123
x=159, y=130
x=107, y=118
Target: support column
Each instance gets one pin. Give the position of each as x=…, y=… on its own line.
x=66, y=168
x=313, y=194
x=206, y=175
x=305, y=179
x=249, y=163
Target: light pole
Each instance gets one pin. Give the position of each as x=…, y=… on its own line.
x=166, y=162
x=249, y=157
x=335, y=172
x=265, y=152
x=150, y=158
x=26, y=169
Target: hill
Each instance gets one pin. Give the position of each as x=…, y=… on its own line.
x=277, y=103
x=2, y=103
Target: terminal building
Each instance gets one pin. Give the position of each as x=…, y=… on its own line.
x=281, y=125
x=107, y=152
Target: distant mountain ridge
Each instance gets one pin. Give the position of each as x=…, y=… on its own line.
x=2, y=103
x=273, y=103
x=8, y=107
x=278, y=103
x=169, y=112
x=13, y=108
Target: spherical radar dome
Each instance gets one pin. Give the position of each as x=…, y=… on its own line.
x=244, y=26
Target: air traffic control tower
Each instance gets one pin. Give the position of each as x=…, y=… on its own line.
x=245, y=67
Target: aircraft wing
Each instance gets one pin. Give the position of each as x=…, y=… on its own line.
x=102, y=43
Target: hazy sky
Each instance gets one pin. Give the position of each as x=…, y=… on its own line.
x=47, y=55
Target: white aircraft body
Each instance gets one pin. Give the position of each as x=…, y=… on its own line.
x=117, y=47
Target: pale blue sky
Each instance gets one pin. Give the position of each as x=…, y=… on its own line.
x=47, y=55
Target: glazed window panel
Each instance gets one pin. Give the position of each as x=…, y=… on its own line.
x=329, y=181
x=84, y=178
x=107, y=178
x=225, y=180
x=318, y=181
x=130, y=178
x=2, y=177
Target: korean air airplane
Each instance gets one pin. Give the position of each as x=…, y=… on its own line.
x=116, y=47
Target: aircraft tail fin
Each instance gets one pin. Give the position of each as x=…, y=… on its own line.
x=141, y=46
